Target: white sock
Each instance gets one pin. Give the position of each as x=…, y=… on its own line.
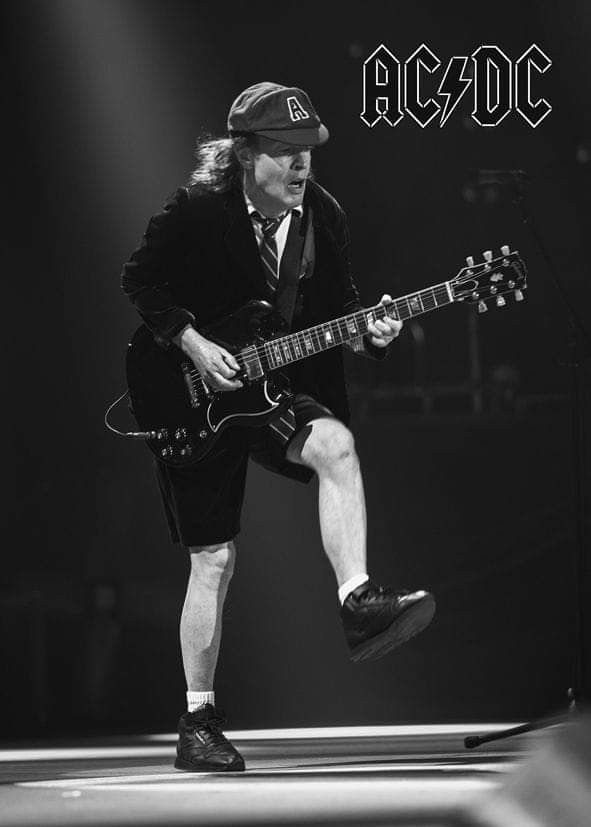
x=197, y=699
x=351, y=584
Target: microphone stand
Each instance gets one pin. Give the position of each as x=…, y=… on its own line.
x=579, y=348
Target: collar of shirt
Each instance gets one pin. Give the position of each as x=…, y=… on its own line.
x=251, y=208
x=282, y=230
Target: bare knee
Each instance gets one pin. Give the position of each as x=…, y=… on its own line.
x=213, y=564
x=329, y=448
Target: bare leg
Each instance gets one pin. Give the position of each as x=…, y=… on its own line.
x=201, y=618
x=327, y=446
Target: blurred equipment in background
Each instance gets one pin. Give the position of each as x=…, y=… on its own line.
x=100, y=646
x=515, y=183
x=550, y=789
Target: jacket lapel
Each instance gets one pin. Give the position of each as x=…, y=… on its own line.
x=241, y=245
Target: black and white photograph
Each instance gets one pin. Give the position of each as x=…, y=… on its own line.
x=298, y=360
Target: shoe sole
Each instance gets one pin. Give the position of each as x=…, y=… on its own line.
x=187, y=766
x=410, y=623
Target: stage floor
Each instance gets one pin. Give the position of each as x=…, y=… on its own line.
x=415, y=775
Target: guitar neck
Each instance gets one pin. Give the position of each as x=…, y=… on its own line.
x=296, y=346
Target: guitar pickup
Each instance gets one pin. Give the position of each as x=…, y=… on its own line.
x=253, y=368
x=189, y=382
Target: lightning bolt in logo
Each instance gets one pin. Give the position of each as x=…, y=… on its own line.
x=453, y=86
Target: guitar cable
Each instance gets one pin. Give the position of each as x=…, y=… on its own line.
x=129, y=434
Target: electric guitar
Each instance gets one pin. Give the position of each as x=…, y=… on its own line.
x=181, y=417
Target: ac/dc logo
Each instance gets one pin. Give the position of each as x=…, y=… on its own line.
x=499, y=86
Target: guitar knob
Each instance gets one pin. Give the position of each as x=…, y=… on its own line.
x=180, y=433
x=202, y=434
x=482, y=308
x=487, y=255
x=166, y=452
x=518, y=296
x=470, y=261
x=505, y=250
x=501, y=301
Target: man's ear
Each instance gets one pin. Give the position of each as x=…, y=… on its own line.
x=245, y=157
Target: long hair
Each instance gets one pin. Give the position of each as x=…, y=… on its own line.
x=218, y=168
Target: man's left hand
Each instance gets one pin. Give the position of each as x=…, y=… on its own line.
x=382, y=331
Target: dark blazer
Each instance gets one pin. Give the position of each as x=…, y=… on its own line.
x=199, y=261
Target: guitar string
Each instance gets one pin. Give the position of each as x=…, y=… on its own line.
x=254, y=354
x=253, y=357
x=379, y=311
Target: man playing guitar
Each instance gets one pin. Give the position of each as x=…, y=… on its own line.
x=253, y=224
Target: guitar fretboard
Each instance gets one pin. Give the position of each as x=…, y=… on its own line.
x=296, y=346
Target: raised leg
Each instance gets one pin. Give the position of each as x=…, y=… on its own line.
x=375, y=620
x=327, y=446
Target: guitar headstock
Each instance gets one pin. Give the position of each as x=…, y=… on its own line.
x=492, y=278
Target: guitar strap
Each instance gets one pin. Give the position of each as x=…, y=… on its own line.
x=309, y=253
x=297, y=262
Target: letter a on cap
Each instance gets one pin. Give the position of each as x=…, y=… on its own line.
x=296, y=110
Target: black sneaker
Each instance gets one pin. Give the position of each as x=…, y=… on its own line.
x=202, y=746
x=377, y=620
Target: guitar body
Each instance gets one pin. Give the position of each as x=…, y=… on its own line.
x=169, y=397
x=184, y=418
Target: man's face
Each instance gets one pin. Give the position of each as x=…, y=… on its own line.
x=276, y=175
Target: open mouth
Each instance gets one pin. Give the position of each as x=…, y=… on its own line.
x=297, y=186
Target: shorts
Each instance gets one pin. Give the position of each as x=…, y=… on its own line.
x=203, y=502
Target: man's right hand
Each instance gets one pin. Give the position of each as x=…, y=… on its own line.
x=215, y=364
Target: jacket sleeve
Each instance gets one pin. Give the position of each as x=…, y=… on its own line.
x=361, y=345
x=146, y=278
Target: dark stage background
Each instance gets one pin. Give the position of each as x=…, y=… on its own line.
x=464, y=433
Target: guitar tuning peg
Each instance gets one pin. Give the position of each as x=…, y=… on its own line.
x=501, y=301
x=470, y=261
x=487, y=255
x=482, y=308
x=518, y=296
x=505, y=250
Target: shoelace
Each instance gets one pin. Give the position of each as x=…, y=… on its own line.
x=211, y=727
x=382, y=591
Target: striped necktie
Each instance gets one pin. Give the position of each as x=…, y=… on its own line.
x=268, y=248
